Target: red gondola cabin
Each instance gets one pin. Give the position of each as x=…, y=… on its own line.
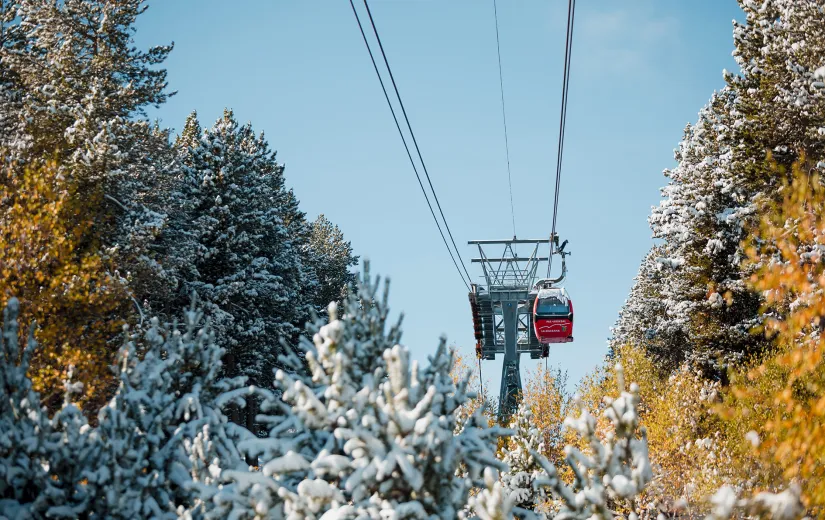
x=553, y=316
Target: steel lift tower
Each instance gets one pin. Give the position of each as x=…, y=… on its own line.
x=502, y=311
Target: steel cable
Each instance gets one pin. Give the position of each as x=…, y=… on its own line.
x=568, y=49
x=504, y=119
x=412, y=135
x=407, y=148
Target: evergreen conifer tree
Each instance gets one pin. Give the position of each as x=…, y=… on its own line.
x=767, y=113
x=247, y=270
x=331, y=257
x=518, y=481
x=164, y=440
x=25, y=426
x=71, y=458
x=643, y=320
x=366, y=434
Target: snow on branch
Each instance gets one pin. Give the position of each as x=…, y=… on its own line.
x=612, y=472
x=364, y=432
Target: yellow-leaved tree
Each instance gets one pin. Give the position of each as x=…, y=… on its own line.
x=50, y=260
x=461, y=369
x=686, y=440
x=546, y=394
x=778, y=404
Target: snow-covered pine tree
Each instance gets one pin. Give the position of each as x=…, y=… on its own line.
x=248, y=271
x=680, y=322
x=325, y=254
x=11, y=126
x=71, y=457
x=190, y=135
x=367, y=336
x=773, y=108
x=493, y=502
x=643, y=320
x=163, y=438
x=330, y=256
x=24, y=425
x=395, y=451
x=44, y=463
x=366, y=433
x=522, y=468
x=175, y=246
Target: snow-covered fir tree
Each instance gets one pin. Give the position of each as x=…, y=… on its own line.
x=643, y=320
x=493, y=502
x=522, y=468
x=325, y=254
x=163, y=438
x=770, y=111
x=13, y=138
x=190, y=135
x=367, y=433
x=159, y=446
x=25, y=426
x=71, y=456
x=331, y=257
x=247, y=269
x=44, y=462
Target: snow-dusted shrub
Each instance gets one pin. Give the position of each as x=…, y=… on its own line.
x=611, y=472
x=493, y=502
x=24, y=426
x=163, y=439
x=367, y=434
x=43, y=462
x=523, y=468
x=71, y=457
x=786, y=505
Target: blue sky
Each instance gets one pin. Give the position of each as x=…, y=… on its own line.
x=299, y=71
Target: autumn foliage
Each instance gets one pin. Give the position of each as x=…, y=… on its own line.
x=546, y=394
x=691, y=447
x=50, y=260
x=765, y=431
x=781, y=398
